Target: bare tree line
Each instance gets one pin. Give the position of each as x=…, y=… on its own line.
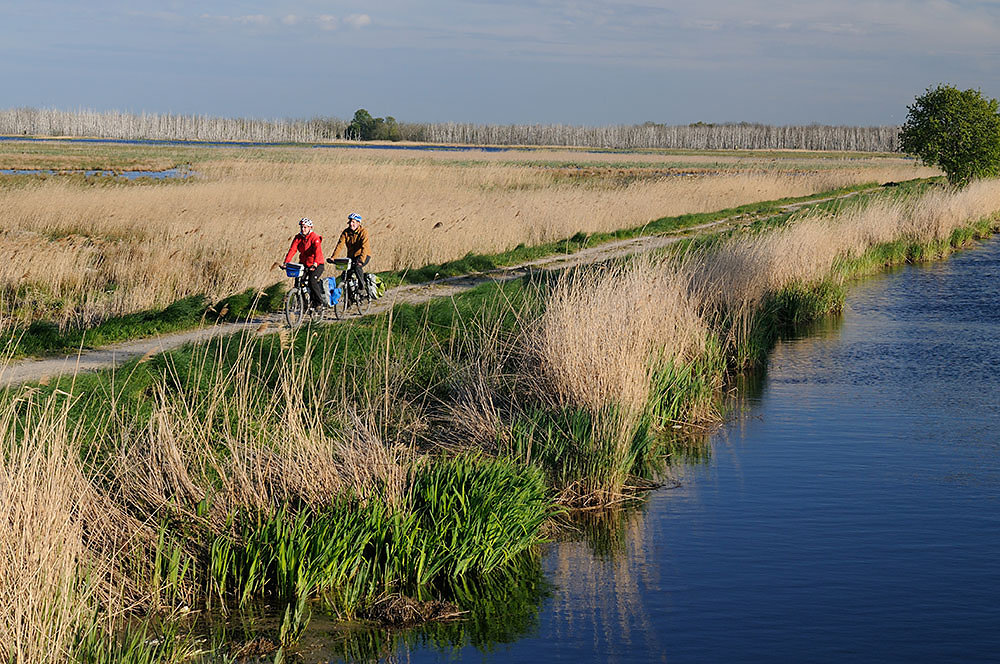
x=741, y=136
x=699, y=136
x=159, y=126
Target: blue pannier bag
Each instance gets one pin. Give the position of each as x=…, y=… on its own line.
x=332, y=292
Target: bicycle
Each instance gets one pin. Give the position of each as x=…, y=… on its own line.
x=351, y=293
x=298, y=301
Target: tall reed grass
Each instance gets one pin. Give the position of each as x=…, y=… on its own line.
x=44, y=595
x=245, y=470
x=116, y=250
x=624, y=348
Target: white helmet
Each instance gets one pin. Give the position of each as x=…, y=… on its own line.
x=305, y=221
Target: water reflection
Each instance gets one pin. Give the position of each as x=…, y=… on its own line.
x=500, y=609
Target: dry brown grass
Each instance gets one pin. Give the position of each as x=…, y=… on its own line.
x=738, y=274
x=606, y=333
x=602, y=330
x=62, y=538
x=214, y=445
x=601, y=341
x=80, y=255
x=42, y=598
x=219, y=439
x=70, y=545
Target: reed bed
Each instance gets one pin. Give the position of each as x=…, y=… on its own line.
x=115, y=250
x=246, y=470
x=738, y=277
x=624, y=350
x=600, y=329
x=43, y=597
x=430, y=454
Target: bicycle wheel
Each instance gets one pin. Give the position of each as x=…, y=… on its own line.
x=295, y=308
x=340, y=309
x=363, y=301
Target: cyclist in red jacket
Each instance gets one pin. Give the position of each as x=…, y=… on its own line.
x=309, y=247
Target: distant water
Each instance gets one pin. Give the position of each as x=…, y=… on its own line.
x=852, y=513
x=169, y=173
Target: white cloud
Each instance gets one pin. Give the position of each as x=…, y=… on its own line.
x=327, y=22
x=358, y=20
x=253, y=19
x=838, y=28
x=707, y=25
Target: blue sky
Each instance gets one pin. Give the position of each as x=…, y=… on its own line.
x=578, y=62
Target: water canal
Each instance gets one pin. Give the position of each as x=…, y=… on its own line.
x=851, y=512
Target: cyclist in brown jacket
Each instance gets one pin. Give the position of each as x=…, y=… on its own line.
x=354, y=239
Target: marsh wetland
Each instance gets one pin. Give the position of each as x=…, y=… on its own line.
x=481, y=464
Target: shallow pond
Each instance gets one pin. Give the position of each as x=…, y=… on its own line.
x=166, y=174
x=851, y=512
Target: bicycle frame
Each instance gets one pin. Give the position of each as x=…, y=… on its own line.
x=351, y=293
x=298, y=301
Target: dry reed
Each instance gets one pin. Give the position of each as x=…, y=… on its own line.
x=216, y=443
x=42, y=593
x=221, y=440
x=605, y=333
x=65, y=541
x=69, y=544
x=602, y=330
x=81, y=255
x=737, y=275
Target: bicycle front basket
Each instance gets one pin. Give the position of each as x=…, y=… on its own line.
x=342, y=263
x=293, y=269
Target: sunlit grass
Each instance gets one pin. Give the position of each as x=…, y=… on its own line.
x=419, y=452
x=118, y=250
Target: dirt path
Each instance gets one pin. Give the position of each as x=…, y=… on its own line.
x=14, y=373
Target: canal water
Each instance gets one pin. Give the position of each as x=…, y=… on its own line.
x=850, y=512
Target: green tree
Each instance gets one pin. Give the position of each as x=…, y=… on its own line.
x=387, y=129
x=956, y=130
x=366, y=128
x=362, y=127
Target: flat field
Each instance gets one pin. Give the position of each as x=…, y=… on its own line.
x=80, y=249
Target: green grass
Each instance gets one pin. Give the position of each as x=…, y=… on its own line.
x=499, y=609
x=781, y=315
x=464, y=516
x=43, y=338
x=145, y=642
